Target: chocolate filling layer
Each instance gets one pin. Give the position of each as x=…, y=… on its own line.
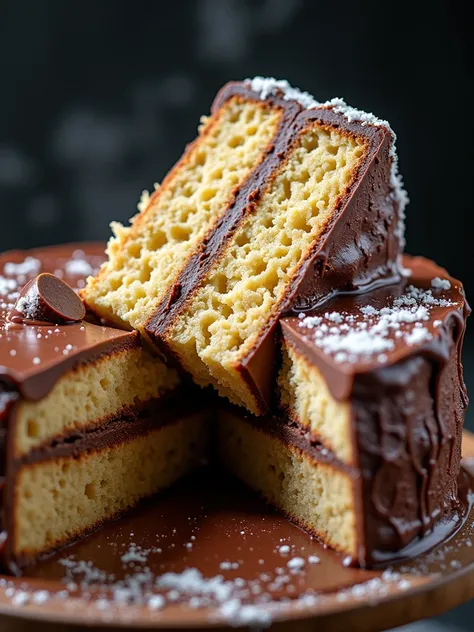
x=359, y=246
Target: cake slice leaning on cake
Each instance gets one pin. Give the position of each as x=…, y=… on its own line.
x=316, y=209
x=366, y=451
x=88, y=423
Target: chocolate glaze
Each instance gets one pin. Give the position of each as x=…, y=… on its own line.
x=228, y=522
x=392, y=521
x=359, y=245
x=407, y=414
x=47, y=299
x=33, y=357
x=340, y=376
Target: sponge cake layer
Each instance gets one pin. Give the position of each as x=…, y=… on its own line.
x=60, y=379
x=147, y=258
x=326, y=189
x=313, y=492
x=58, y=495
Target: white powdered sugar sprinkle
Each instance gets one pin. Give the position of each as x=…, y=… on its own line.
x=374, y=332
x=440, y=284
x=29, y=267
x=7, y=285
x=81, y=267
x=269, y=86
x=296, y=563
x=28, y=305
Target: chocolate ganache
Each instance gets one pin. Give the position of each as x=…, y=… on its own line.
x=403, y=379
x=35, y=353
x=395, y=354
x=33, y=357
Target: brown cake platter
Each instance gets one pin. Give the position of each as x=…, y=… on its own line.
x=243, y=539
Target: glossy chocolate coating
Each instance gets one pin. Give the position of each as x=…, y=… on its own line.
x=47, y=299
x=35, y=354
x=407, y=412
x=443, y=319
x=359, y=246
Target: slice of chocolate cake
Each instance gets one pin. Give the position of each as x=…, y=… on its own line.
x=83, y=433
x=366, y=452
x=279, y=203
x=148, y=258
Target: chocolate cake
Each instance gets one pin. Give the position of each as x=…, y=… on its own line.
x=83, y=431
x=280, y=202
x=366, y=450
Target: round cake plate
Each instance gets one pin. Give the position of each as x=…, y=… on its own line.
x=220, y=529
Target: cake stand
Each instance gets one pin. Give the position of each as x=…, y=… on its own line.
x=221, y=531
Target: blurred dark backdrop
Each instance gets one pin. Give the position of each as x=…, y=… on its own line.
x=98, y=98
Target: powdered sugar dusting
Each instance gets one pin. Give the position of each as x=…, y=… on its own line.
x=269, y=86
x=79, y=266
x=373, y=332
x=28, y=305
x=29, y=267
x=440, y=284
x=138, y=579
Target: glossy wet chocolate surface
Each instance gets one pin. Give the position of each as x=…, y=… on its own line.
x=229, y=524
x=215, y=525
x=33, y=357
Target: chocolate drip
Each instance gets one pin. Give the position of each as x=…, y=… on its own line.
x=340, y=376
x=407, y=414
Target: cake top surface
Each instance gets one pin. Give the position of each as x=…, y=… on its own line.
x=269, y=86
x=357, y=334
x=33, y=356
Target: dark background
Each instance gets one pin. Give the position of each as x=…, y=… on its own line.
x=98, y=98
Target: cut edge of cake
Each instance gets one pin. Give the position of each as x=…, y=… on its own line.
x=216, y=279
x=63, y=388
x=71, y=490
x=146, y=258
